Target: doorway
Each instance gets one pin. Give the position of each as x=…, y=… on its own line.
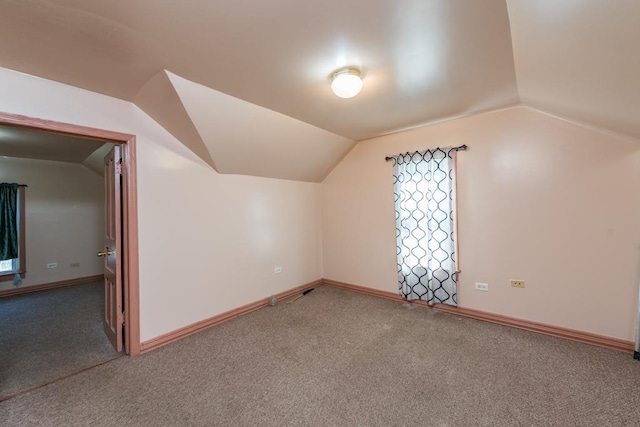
x=128, y=209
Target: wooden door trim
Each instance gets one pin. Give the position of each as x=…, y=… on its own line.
x=129, y=209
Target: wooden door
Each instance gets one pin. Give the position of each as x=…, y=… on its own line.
x=112, y=253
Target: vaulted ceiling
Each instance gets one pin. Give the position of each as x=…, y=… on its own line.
x=27, y=144
x=31, y=144
x=245, y=83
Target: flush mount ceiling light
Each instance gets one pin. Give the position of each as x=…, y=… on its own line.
x=346, y=82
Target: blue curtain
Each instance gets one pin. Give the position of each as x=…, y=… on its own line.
x=8, y=221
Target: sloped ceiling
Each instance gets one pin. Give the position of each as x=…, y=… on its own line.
x=223, y=75
x=33, y=144
x=27, y=144
x=159, y=99
x=95, y=161
x=580, y=59
x=252, y=140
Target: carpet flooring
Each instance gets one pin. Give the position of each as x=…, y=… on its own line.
x=49, y=334
x=339, y=358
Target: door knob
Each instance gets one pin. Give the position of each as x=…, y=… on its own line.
x=105, y=253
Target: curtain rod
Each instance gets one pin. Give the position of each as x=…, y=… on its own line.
x=22, y=185
x=462, y=147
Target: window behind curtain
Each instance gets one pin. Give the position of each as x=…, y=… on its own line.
x=9, y=268
x=9, y=265
x=424, y=201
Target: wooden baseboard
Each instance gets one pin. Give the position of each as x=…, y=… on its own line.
x=52, y=285
x=183, y=332
x=556, y=331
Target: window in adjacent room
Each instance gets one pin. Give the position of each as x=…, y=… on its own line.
x=12, y=218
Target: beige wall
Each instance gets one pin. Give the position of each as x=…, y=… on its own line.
x=540, y=199
x=64, y=214
x=208, y=242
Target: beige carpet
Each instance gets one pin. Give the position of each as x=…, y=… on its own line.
x=49, y=334
x=337, y=358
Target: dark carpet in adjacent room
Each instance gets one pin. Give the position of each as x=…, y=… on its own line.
x=50, y=334
x=338, y=358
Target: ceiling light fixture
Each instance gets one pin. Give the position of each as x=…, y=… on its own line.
x=346, y=82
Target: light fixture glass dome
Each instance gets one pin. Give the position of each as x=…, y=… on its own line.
x=346, y=83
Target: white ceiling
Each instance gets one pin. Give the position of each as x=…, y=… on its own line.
x=28, y=144
x=209, y=71
x=580, y=59
x=266, y=144
x=95, y=161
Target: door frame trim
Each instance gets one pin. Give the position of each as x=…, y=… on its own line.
x=129, y=209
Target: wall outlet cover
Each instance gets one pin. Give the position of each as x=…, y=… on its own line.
x=482, y=286
x=517, y=283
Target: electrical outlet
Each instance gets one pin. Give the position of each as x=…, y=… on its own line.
x=52, y=265
x=277, y=270
x=74, y=264
x=482, y=286
x=517, y=283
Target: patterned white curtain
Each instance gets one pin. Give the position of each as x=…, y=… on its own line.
x=423, y=186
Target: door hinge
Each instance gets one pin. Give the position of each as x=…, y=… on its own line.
x=122, y=319
x=119, y=168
